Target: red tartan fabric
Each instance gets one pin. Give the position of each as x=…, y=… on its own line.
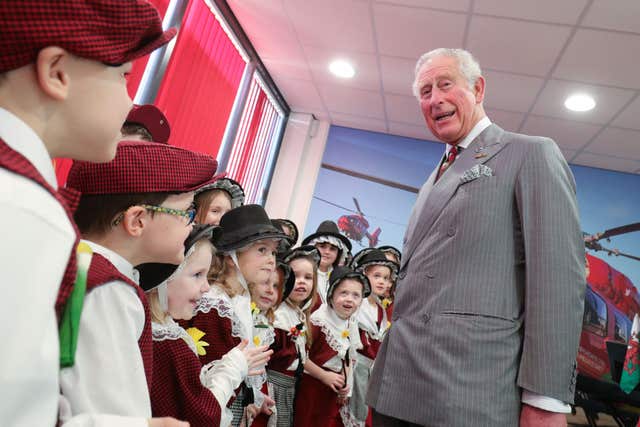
x=18, y=164
x=316, y=404
x=177, y=391
x=284, y=352
x=109, y=31
x=217, y=332
x=144, y=167
x=101, y=271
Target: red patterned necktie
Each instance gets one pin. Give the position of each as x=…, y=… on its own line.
x=451, y=157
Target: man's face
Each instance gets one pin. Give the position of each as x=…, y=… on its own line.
x=450, y=107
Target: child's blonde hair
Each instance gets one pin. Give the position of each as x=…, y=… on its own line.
x=203, y=203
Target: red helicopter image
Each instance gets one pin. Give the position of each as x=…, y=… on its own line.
x=611, y=302
x=356, y=227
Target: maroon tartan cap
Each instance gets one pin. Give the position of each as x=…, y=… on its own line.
x=151, y=118
x=144, y=167
x=108, y=31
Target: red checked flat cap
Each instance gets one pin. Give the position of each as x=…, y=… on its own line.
x=108, y=31
x=151, y=118
x=144, y=167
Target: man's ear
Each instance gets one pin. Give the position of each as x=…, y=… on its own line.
x=479, y=87
x=134, y=220
x=52, y=72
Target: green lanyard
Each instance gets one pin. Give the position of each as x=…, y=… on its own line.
x=70, y=322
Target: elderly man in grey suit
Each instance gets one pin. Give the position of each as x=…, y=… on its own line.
x=489, y=305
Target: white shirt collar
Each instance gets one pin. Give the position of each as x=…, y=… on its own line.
x=123, y=266
x=21, y=138
x=477, y=130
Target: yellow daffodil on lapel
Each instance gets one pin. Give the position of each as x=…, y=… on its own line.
x=345, y=333
x=196, y=335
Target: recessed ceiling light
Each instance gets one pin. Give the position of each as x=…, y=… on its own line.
x=342, y=69
x=579, y=102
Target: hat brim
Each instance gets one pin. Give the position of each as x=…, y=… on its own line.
x=342, y=238
x=226, y=245
x=162, y=39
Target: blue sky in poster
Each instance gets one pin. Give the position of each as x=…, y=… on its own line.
x=607, y=199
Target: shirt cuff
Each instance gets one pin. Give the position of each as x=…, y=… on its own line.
x=546, y=403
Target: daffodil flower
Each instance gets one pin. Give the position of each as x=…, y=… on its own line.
x=345, y=333
x=196, y=335
x=386, y=302
x=256, y=341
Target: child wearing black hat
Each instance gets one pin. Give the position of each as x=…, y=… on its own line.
x=135, y=209
x=373, y=322
x=393, y=254
x=333, y=247
x=265, y=298
x=248, y=246
x=58, y=98
x=291, y=326
x=322, y=399
x=182, y=387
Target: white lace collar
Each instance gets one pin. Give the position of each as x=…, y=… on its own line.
x=236, y=309
x=170, y=330
x=287, y=316
x=368, y=319
x=340, y=334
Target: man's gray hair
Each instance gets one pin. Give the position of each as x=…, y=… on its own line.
x=467, y=64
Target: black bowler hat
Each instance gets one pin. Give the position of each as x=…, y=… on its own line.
x=341, y=273
x=328, y=228
x=372, y=256
x=152, y=274
x=244, y=225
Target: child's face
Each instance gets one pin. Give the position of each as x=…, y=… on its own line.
x=347, y=298
x=95, y=109
x=380, y=278
x=328, y=255
x=184, y=290
x=220, y=205
x=166, y=233
x=303, y=270
x=265, y=294
x=258, y=261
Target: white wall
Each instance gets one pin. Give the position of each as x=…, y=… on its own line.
x=297, y=168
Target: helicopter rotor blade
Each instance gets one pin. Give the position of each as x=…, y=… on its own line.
x=357, y=206
x=630, y=228
x=595, y=246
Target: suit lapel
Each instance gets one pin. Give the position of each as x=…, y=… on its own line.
x=484, y=147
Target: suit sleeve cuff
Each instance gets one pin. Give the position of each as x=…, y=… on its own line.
x=546, y=403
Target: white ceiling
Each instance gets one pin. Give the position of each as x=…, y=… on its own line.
x=533, y=54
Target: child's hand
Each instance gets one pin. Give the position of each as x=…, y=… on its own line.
x=267, y=404
x=252, y=411
x=256, y=357
x=167, y=422
x=334, y=381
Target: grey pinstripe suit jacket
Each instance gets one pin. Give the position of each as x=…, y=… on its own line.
x=491, y=290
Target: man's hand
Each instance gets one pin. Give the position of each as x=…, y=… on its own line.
x=530, y=416
x=167, y=422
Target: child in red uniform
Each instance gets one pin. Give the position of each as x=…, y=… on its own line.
x=182, y=388
x=58, y=98
x=392, y=254
x=135, y=209
x=322, y=399
x=373, y=323
x=333, y=248
x=291, y=326
x=248, y=245
x=265, y=297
